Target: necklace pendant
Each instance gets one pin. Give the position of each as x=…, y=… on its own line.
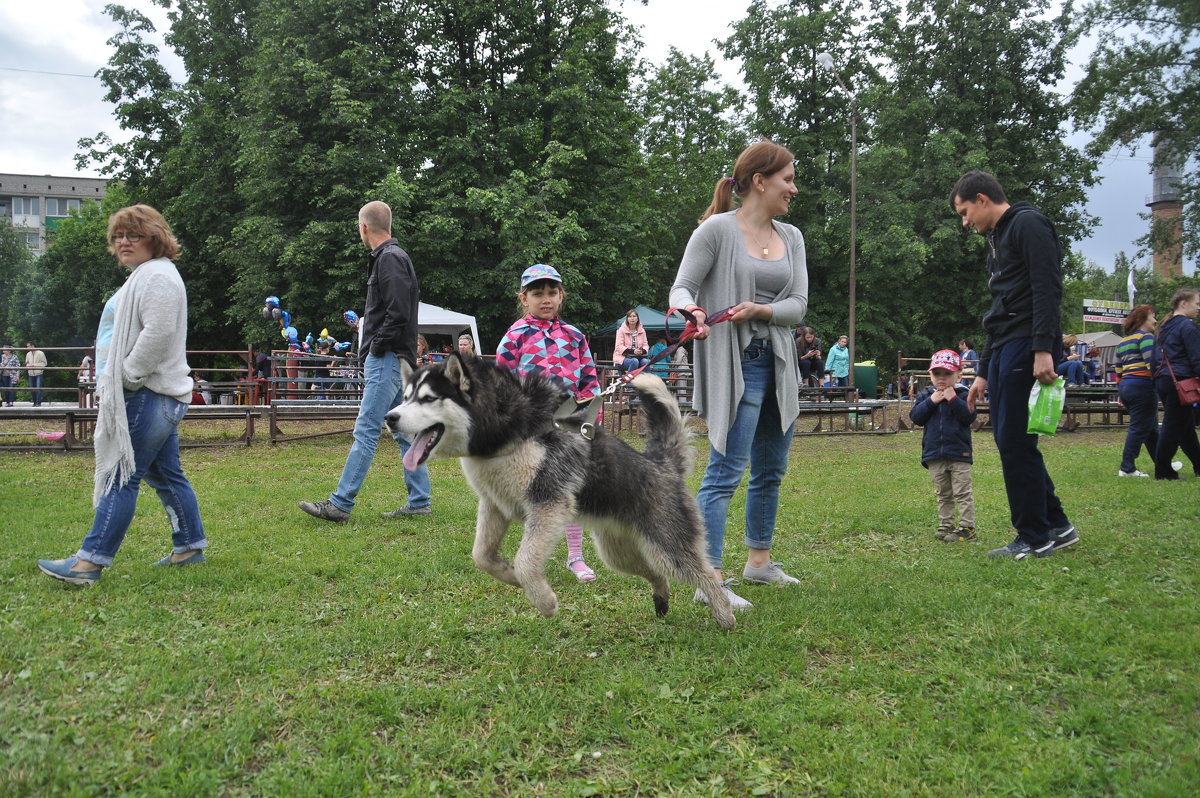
x=764, y=252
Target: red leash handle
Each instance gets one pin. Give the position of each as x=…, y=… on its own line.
x=689, y=332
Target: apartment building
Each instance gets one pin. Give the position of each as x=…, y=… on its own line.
x=37, y=204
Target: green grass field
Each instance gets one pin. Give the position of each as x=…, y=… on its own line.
x=372, y=658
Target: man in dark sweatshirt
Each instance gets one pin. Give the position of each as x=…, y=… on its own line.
x=1023, y=342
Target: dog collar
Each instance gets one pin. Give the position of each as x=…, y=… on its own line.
x=566, y=417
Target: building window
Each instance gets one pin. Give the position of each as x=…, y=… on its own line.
x=25, y=206
x=56, y=206
x=31, y=239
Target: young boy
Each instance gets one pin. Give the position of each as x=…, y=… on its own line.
x=946, y=445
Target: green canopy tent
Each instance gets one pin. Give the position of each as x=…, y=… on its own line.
x=652, y=320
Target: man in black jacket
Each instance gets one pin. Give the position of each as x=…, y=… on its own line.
x=1024, y=340
x=389, y=333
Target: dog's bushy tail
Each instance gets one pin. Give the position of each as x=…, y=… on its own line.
x=666, y=434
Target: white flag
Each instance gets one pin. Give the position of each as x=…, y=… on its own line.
x=1131, y=291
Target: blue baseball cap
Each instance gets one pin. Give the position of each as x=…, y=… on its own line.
x=540, y=271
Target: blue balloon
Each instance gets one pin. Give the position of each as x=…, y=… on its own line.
x=350, y=316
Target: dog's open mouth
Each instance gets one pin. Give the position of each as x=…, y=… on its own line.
x=422, y=446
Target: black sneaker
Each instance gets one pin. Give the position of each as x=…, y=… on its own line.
x=1020, y=550
x=964, y=534
x=1064, y=536
x=326, y=510
x=946, y=532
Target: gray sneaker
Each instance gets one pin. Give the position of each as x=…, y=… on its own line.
x=407, y=510
x=1020, y=550
x=326, y=511
x=772, y=572
x=736, y=602
x=1066, y=536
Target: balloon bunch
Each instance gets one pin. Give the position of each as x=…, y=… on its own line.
x=328, y=341
x=271, y=311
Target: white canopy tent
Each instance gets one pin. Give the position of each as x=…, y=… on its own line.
x=432, y=319
x=1106, y=342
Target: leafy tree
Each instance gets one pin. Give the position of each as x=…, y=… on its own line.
x=968, y=85
x=15, y=263
x=690, y=136
x=525, y=110
x=1144, y=78
x=58, y=302
x=144, y=100
x=796, y=103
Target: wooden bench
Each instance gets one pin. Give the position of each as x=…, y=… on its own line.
x=1082, y=404
x=78, y=423
x=1088, y=400
x=309, y=410
x=809, y=394
x=874, y=409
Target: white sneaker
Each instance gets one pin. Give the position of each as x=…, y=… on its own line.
x=736, y=602
x=766, y=574
x=1134, y=473
x=1177, y=465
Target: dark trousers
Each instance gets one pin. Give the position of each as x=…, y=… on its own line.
x=811, y=369
x=1141, y=402
x=1178, y=431
x=1033, y=506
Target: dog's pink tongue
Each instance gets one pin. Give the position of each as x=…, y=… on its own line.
x=416, y=453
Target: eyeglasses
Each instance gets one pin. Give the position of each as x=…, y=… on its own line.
x=132, y=238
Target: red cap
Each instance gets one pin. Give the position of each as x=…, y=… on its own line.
x=946, y=359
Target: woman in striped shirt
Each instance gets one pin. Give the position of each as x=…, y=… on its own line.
x=1135, y=364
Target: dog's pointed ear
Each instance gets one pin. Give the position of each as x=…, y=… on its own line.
x=406, y=370
x=456, y=372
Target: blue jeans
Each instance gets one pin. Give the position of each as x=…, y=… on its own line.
x=1141, y=402
x=383, y=390
x=1072, y=372
x=632, y=363
x=35, y=386
x=755, y=440
x=1033, y=506
x=154, y=432
x=9, y=395
x=839, y=382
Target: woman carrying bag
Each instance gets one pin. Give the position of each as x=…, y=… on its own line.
x=1178, y=350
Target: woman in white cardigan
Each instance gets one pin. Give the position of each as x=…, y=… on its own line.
x=746, y=387
x=143, y=385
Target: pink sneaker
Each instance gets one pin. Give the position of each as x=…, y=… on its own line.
x=580, y=569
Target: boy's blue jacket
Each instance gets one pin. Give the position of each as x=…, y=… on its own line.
x=947, y=427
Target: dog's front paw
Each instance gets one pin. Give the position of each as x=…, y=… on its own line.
x=544, y=601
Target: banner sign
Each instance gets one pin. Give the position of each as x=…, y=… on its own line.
x=1105, y=310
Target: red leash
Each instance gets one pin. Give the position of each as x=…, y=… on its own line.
x=689, y=332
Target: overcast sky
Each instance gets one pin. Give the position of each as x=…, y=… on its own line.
x=43, y=115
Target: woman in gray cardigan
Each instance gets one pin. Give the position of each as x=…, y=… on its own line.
x=144, y=385
x=745, y=369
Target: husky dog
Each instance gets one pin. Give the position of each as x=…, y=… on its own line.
x=643, y=518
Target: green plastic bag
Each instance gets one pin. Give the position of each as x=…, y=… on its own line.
x=1046, y=406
